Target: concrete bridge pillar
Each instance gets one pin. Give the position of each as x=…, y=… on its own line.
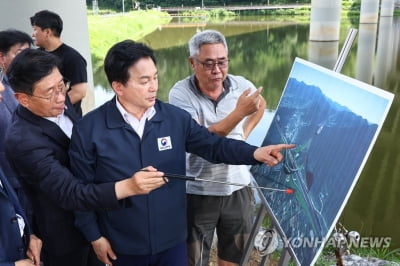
x=369, y=11
x=325, y=20
x=323, y=53
x=324, y=32
x=387, y=8
x=15, y=14
x=366, y=51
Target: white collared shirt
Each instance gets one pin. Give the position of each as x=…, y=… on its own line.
x=136, y=124
x=63, y=122
x=21, y=222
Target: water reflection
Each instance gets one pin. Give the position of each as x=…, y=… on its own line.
x=373, y=205
x=264, y=51
x=385, y=52
x=323, y=53
x=256, y=51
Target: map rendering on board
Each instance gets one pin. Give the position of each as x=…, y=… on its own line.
x=334, y=121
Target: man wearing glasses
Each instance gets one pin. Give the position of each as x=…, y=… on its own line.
x=16, y=241
x=229, y=106
x=37, y=145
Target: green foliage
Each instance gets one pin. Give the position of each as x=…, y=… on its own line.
x=202, y=15
x=348, y=4
x=380, y=253
x=327, y=256
x=220, y=12
x=304, y=12
x=105, y=31
x=195, y=13
x=215, y=13
x=351, y=7
x=101, y=12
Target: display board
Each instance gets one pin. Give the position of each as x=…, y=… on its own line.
x=334, y=121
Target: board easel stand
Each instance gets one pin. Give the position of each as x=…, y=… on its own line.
x=287, y=253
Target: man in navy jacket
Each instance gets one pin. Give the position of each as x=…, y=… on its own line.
x=37, y=147
x=135, y=131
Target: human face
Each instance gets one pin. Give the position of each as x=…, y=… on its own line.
x=39, y=36
x=41, y=102
x=140, y=91
x=12, y=53
x=210, y=80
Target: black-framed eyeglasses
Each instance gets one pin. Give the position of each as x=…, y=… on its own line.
x=1, y=74
x=61, y=88
x=210, y=64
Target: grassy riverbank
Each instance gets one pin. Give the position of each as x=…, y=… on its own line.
x=106, y=30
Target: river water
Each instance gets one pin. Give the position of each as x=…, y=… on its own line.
x=263, y=51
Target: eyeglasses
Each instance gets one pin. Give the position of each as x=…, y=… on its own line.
x=62, y=88
x=1, y=74
x=210, y=65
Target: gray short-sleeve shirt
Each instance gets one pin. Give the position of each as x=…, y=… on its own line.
x=206, y=112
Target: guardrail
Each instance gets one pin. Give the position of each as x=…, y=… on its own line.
x=235, y=8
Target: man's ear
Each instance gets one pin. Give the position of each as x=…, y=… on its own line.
x=48, y=31
x=117, y=87
x=22, y=98
x=2, y=59
x=191, y=62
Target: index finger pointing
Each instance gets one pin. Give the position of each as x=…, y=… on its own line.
x=286, y=146
x=256, y=93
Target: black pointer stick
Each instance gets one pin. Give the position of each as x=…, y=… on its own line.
x=192, y=178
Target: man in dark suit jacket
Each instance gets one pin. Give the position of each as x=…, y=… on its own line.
x=14, y=227
x=37, y=148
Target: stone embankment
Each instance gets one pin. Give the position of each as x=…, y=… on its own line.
x=355, y=260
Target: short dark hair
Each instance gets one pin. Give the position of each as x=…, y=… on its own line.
x=29, y=67
x=46, y=19
x=10, y=37
x=122, y=56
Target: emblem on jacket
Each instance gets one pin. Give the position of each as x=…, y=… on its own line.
x=164, y=143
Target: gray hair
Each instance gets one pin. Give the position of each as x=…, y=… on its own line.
x=205, y=37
